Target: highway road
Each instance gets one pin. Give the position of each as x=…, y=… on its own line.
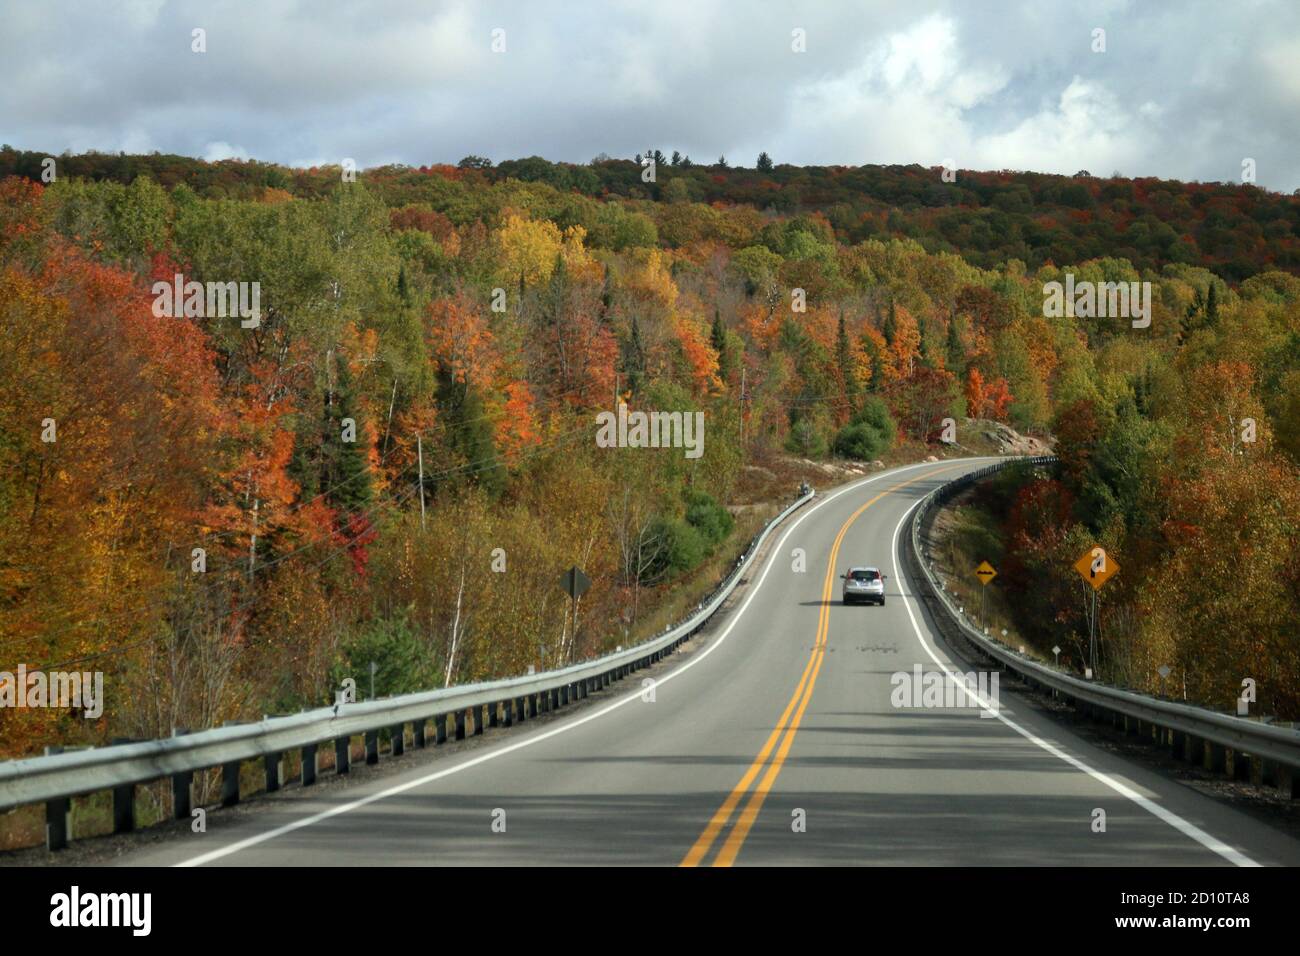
x=770, y=740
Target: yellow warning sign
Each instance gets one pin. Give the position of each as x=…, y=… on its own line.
x=1096, y=567
x=985, y=572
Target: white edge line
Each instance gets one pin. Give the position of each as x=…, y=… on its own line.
x=257, y=838
x=1185, y=827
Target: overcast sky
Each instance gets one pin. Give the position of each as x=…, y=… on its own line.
x=1183, y=90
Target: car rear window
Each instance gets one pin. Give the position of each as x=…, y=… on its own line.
x=865, y=575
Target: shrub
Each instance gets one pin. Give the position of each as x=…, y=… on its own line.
x=869, y=434
x=679, y=546
x=403, y=663
x=806, y=439
x=713, y=521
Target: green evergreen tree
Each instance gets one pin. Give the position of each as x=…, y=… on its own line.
x=844, y=359
x=890, y=329
x=345, y=471
x=956, y=352
x=467, y=442
x=877, y=359
x=718, y=338
x=633, y=358
x=925, y=353
x=1193, y=317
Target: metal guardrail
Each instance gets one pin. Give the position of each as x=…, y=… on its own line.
x=54, y=779
x=1186, y=728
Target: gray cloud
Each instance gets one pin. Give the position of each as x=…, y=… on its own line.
x=1183, y=91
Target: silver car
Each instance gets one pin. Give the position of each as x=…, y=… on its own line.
x=864, y=584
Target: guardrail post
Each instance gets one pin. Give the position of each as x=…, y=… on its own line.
x=460, y=725
x=440, y=729
x=1267, y=773
x=372, y=747
x=417, y=733
x=124, y=808
x=1216, y=758
x=509, y=707
x=398, y=742
x=342, y=754
x=494, y=717
x=308, y=765
x=123, y=801
x=230, y=783
x=58, y=826
x=181, y=782
x=1177, y=743
x=520, y=716
x=564, y=696
x=480, y=719
x=1288, y=781
x=1193, y=749
x=273, y=772
x=532, y=705
x=1240, y=766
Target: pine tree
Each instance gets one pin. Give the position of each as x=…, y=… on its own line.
x=924, y=353
x=956, y=357
x=877, y=364
x=1191, y=318
x=403, y=290
x=718, y=338
x=345, y=471
x=467, y=437
x=890, y=331
x=633, y=358
x=764, y=163
x=848, y=373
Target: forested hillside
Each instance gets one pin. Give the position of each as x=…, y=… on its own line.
x=986, y=217
x=180, y=507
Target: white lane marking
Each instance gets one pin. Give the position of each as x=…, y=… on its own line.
x=1168, y=816
x=247, y=842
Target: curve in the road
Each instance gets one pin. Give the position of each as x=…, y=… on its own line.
x=798, y=705
x=618, y=783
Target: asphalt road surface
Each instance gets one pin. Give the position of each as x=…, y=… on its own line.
x=772, y=741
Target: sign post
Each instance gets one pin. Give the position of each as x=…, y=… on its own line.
x=985, y=573
x=1096, y=567
x=575, y=584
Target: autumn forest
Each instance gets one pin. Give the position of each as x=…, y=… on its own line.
x=180, y=507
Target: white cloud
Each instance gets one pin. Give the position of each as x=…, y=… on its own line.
x=1182, y=91
x=215, y=152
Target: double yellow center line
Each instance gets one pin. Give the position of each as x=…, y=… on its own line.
x=789, y=722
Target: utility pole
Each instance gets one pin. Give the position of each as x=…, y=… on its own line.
x=419, y=444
